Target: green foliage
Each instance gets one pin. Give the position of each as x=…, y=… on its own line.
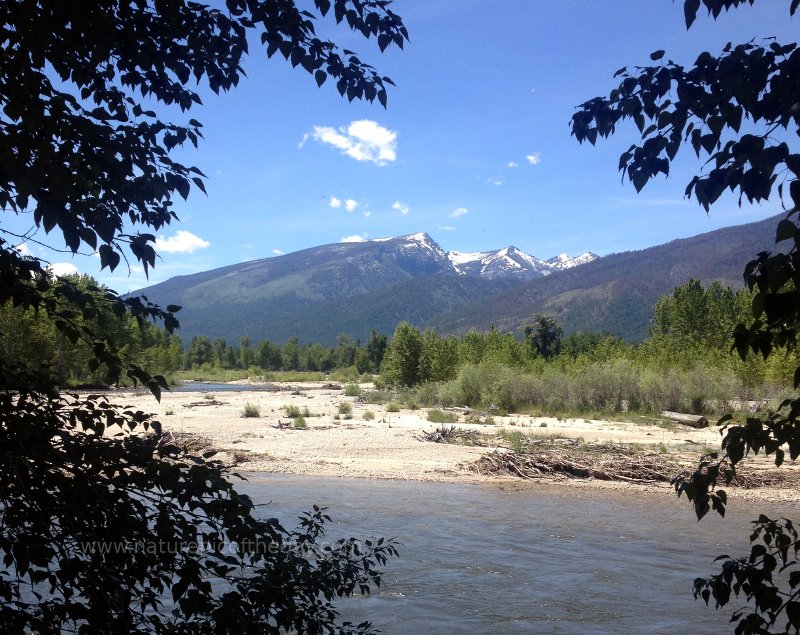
x=299, y=423
x=544, y=336
x=352, y=390
x=694, y=315
x=122, y=532
x=439, y=416
x=392, y=406
x=401, y=363
x=32, y=339
x=292, y=411
x=93, y=542
x=632, y=381
x=376, y=349
x=251, y=410
x=368, y=415
x=349, y=374
x=705, y=106
x=377, y=396
x=345, y=408
x=516, y=440
x=293, y=376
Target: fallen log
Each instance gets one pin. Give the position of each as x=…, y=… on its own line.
x=695, y=421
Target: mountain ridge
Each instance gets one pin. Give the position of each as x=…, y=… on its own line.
x=351, y=288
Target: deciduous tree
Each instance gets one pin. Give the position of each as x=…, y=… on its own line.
x=401, y=362
x=739, y=111
x=129, y=533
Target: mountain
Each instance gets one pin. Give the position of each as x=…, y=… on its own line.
x=319, y=292
x=510, y=262
x=563, y=261
x=617, y=293
x=351, y=288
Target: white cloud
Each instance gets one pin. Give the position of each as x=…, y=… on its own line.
x=355, y=238
x=446, y=228
x=400, y=207
x=23, y=249
x=496, y=180
x=182, y=242
x=461, y=211
x=277, y=252
x=349, y=204
x=362, y=140
x=62, y=269
x=367, y=213
x=535, y=158
x=513, y=164
x=302, y=141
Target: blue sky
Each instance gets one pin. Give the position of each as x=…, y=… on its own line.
x=474, y=147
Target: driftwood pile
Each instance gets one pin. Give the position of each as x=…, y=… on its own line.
x=605, y=462
x=449, y=434
x=614, y=462
x=190, y=443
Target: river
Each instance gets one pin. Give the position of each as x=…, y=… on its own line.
x=524, y=558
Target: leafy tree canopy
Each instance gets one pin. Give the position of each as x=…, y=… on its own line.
x=739, y=111
x=544, y=335
x=81, y=149
x=128, y=533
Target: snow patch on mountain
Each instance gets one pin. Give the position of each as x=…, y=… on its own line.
x=563, y=261
x=506, y=262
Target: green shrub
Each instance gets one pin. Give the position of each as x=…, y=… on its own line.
x=369, y=415
x=352, y=390
x=251, y=410
x=392, y=406
x=345, y=408
x=349, y=374
x=292, y=411
x=299, y=423
x=439, y=416
x=376, y=396
x=516, y=439
x=427, y=394
x=307, y=412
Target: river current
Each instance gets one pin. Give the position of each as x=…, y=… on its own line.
x=524, y=558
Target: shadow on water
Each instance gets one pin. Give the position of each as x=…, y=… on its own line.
x=511, y=559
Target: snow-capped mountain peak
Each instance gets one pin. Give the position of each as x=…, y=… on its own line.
x=511, y=262
x=563, y=261
x=508, y=262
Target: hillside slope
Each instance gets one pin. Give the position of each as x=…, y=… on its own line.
x=617, y=293
x=352, y=288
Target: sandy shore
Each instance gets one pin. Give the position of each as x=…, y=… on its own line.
x=385, y=447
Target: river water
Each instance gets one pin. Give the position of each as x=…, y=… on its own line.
x=524, y=559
